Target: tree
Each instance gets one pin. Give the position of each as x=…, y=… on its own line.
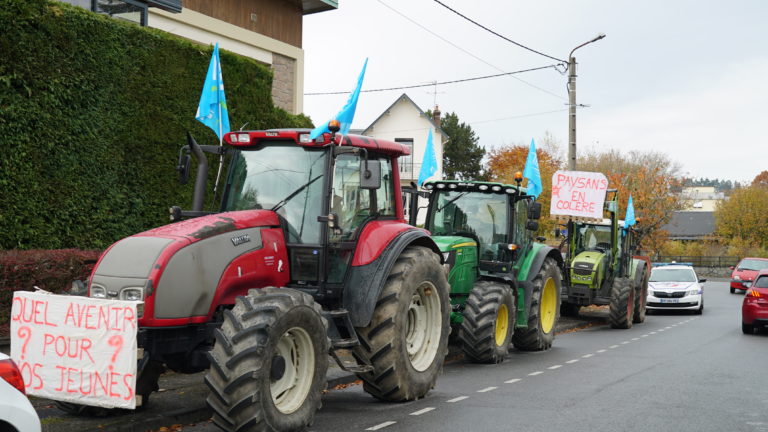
x=650, y=177
x=462, y=156
x=505, y=161
x=744, y=215
x=761, y=179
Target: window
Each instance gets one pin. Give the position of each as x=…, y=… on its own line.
x=406, y=162
x=126, y=10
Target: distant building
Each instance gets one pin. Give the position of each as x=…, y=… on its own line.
x=691, y=225
x=701, y=198
x=406, y=123
x=269, y=31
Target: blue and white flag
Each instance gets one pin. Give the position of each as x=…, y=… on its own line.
x=347, y=113
x=429, y=163
x=531, y=172
x=212, y=109
x=629, y=218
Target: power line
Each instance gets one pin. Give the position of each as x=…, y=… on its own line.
x=519, y=116
x=433, y=83
x=467, y=52
x=495, y=33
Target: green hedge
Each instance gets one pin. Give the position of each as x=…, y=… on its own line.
x=93, y=112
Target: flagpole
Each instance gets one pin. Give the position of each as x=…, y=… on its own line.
x=221, y=157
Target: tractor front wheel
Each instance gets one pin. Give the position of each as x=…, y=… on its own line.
x=407, y=338
x=622, y=306
x=269, y=362
x=489, y=317
x=641, y=296
x=544, y=310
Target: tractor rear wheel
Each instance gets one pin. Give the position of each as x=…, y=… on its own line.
x=622, y=306
x=489, y=319
x=407, y=339
x=544, y=310
x=269, y=362
x=641, y=296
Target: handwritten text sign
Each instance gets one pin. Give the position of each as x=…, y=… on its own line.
x=75, y=349
x=578, y=193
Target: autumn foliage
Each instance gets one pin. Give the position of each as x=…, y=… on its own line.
x=743, y=218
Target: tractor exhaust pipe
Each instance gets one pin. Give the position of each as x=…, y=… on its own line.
x=202, y=173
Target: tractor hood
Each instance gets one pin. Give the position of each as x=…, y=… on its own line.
x=451, y=243
x=587, y=260
x=194, y=230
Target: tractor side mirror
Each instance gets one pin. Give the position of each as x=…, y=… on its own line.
x=532, y=225
x=183, y=168
x=370, y=174
x=534, y=211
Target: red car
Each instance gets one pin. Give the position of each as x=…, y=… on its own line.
x=754, y=310
x=744, y=273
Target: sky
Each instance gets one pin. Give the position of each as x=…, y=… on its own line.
x=684, y=78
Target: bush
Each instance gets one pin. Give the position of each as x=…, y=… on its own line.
x=51, y=270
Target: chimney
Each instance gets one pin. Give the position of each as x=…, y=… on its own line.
x=436, y=116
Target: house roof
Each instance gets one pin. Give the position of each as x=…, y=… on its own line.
x=405, y=97
x=688, y=225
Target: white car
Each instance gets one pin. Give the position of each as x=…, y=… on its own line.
x=16, y=412
x=675, y=287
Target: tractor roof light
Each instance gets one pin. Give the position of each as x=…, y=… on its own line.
x=304, y=138
x=441, y=185
x=452, y=186
x=334, y=126
x=483, y=187
x=518, y=176
x=509, y=191
x=242, y=138
x=429, y=186
x=496, y=188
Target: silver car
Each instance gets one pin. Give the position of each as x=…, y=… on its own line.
x=675, y=287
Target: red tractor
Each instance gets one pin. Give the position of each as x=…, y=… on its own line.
x=310, y=255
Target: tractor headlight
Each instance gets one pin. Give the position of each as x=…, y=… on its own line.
x=98, y=291
x=132, y=294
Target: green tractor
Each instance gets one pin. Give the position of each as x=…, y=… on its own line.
x=602, y=268
x=504, y=285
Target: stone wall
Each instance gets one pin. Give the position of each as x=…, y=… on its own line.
x=283, y=82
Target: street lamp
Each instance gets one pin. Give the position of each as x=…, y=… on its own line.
x=572, y=104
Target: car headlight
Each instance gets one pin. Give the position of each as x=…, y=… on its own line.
x=98, y=291
x=694, y=292
x=737, y=277
x=132, y=294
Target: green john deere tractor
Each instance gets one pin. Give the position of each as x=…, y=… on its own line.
x=504, y=285
x=602, y=268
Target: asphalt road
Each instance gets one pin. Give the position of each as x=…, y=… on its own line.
x=676, y=372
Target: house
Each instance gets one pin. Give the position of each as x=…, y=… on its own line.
x=690, y=225
x=701, y=198
x=268, y=31
x=406, y=123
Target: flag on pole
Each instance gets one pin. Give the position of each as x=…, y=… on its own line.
x=531, y=171
x=212, y=109
x=429, y=163
x=629, y=218
x=347, y=113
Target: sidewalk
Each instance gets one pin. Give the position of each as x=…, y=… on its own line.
x=181, y=399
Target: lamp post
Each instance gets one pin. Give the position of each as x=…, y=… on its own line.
x=572, y=104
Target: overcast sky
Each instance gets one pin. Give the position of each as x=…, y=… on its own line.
x=687, y=78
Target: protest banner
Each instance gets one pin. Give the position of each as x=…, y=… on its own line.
x=76, y=349
x=578, y=194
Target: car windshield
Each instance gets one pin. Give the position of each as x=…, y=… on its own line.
x=761, y=282
x=283, y=178
x=593, y=237
x=672, y=275
x=753, y=264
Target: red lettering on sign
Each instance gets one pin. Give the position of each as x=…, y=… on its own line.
x=32, y=311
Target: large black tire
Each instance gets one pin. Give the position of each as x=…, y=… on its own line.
x=269, y=362
x=622, y=306
x=641, y=295
x=747, y=329
x=407, y=339
x=569, y=309
x=544, y=310
x=733, y=290
x=489, y=320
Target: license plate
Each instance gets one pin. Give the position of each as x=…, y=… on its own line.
x=669, y=300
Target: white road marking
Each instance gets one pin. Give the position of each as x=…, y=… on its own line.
x=660, y=330
x=625, y=342
x=613, y=346
x=634, y=339
x=572, y=361
x=652, y=333
x=535, y=373
x=587, y=355
x=601, y=351
x=512, y=381
x=422, y=411
x=456, y=399
x=645, y=335
x=555, y=367
x=381, y=425
x=487, y=389
x=667, y=327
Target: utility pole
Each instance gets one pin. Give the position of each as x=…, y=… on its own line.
x=572, y=104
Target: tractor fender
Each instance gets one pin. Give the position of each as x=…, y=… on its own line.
x=365, y=282
x=526, y=283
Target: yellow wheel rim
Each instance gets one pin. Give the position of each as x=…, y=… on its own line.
x=502, y=324
x=548, y=306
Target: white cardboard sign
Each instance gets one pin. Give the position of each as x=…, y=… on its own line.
x=75, y=349
x=578, y=194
